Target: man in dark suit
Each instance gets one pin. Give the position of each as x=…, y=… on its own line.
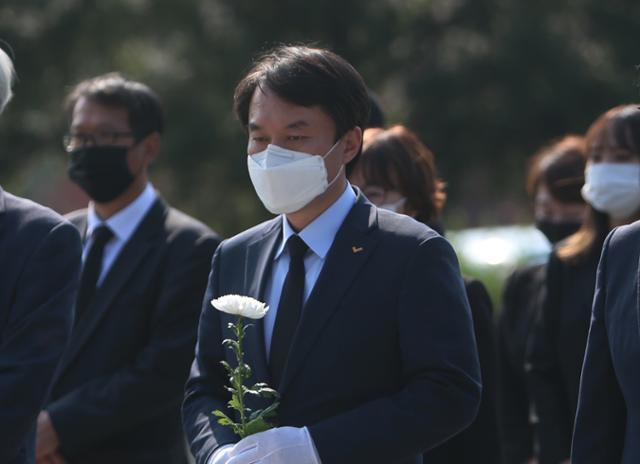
x=369, y=338
x=608, y=418
x=117, y=394
x=40, y=256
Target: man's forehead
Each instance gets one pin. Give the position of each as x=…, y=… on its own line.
x=87, y=111
x=267, y=107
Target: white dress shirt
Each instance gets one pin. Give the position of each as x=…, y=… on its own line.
x=123, y=224
x=318, y=236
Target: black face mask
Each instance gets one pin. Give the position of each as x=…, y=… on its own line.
x=557, y=231
x=101, y=171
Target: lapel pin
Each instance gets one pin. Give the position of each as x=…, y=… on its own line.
x=356, y=249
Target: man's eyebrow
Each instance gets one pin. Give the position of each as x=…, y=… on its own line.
x=100, y=126
x=298, y=124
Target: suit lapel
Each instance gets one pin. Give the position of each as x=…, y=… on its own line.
x=351, y=248
x=141, y=242
x=258, y=264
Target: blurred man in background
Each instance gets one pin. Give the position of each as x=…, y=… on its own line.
x=117, y=394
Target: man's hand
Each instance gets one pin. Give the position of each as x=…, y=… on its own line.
x=282, y=445
x=46, y=437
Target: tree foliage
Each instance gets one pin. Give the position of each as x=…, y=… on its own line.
x=484, y=82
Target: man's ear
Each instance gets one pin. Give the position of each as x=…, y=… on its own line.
x=352, y=141
x=151, y=147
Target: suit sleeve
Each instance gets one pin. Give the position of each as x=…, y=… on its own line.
x=36, y=333
x=440, y=391
x=600, y=421
x=205, y=388
x=153, y=383
x=479, y=442
x=545, y=378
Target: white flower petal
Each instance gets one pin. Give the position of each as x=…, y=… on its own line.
x=240, y=305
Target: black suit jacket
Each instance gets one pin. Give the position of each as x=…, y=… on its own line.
x=523, y=298
x=118, y=391
x=607, y=426
x=384, y=364
x=40, y=256
x=556, y=352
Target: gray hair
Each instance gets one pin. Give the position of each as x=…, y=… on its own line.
x=6, y=79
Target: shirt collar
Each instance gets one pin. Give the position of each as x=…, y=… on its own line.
x=321, y=232
x=125, y=221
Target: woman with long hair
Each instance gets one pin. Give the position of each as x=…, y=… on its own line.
x=608, y=419
x=557, y=346
x=555, y=177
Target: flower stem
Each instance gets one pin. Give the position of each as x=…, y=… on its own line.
x=239, y=380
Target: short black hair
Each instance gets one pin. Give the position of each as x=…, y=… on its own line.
x=308, y=76
x=113, y=89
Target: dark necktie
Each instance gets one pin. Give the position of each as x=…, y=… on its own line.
x=289, y=309
x=91, y=269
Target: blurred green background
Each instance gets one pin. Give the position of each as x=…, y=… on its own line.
x=483, y=82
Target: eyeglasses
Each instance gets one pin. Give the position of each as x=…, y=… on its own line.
x=73, y=141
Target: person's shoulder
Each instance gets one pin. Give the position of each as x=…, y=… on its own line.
x=77, y=217
x=525, y=274
x=180, y=224
x=403, y=228
x=29, y=216
x=248, y=236
x=626, y=236
x=622, y=247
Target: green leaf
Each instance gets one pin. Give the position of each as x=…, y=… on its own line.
x=270, y=411
x=234, y=403
x=265, y=413
x=256, y=425
x=219, y=413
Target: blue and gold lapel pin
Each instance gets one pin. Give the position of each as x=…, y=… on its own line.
x=356, y=249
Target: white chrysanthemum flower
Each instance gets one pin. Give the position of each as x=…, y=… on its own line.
x=240, y=305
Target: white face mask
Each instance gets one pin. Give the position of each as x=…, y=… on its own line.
x=395, y=206
x=286, y=180
x=613, y=188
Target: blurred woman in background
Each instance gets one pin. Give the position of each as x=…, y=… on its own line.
x=397, y=172
x=554, y=180
x=558, y=343
x=608, y=419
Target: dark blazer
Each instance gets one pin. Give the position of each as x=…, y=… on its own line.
x=118, y=391
x=384, y=364
x=480, y=441
x=608, y=421
x=556, y=352
x=522, y=302
x=40, y=256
